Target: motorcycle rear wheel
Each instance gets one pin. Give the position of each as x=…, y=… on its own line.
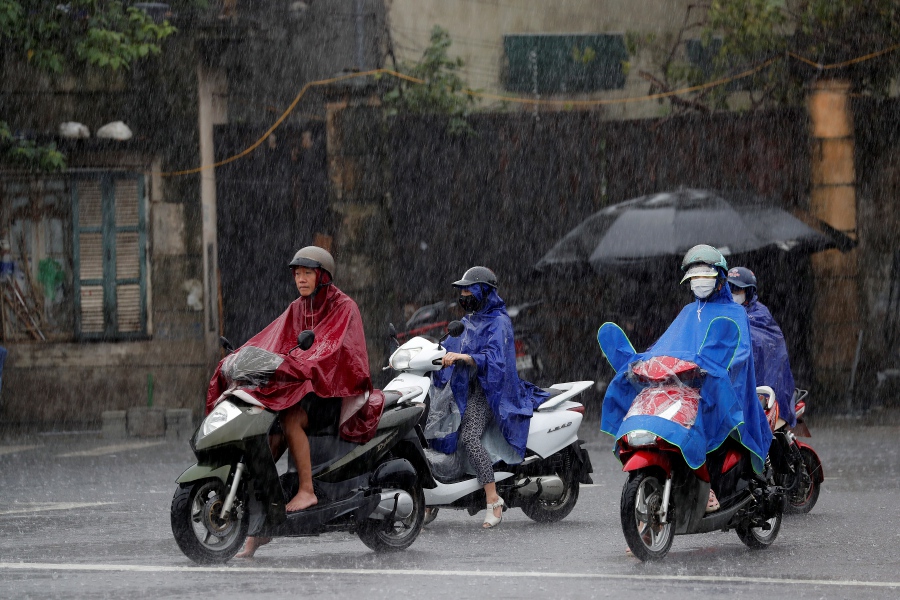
x=553, y=512
x=402, y=533
x=199, y=532
x=802, y=500
x=641, y=500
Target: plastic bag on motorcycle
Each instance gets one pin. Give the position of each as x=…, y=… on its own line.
x=443, y=417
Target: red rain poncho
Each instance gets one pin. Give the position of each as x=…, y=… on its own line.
x=336, y=366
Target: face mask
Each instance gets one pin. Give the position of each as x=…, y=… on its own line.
x=739, y=297
x=702, y=286
x=469, y=303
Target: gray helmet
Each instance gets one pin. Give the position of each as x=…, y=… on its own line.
x=704, y=254
x=477, y=275
x=313, y=257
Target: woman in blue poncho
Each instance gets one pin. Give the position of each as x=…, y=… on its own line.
x=485, y=384
x=729, y=407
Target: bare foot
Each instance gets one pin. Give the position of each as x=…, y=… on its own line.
x=251, y=545
x=302, y=500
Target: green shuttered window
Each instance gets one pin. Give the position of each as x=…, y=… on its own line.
x=550, y=63
x=110, y=245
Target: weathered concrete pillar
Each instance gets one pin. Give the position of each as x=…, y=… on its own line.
x=836, y=318
x=212, y=110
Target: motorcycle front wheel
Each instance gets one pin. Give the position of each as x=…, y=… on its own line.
x=757, y=538
x=202, y=535
x=804, y=498
x=648, y=538
x=399, y=535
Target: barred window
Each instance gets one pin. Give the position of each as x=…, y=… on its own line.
x=564, y=63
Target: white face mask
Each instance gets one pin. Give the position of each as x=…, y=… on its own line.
x=739, y=297
x=702, y=286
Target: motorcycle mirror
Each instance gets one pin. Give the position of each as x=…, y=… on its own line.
x=392, y=334
x=226, y=345
x=305, y=339
x=454, y=329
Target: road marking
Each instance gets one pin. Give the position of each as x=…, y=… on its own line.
x=34, y=507
x=433, y=573
x=111, y=449
x=15, y=449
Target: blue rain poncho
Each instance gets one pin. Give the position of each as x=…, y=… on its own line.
x=728, y=405
x=488, y=339
x=770, y=358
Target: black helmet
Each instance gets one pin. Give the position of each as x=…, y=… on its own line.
x=313, y=257
x=477, y=275
x=742, y=277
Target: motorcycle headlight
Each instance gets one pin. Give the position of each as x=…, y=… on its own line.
x=400, y=359
x=640, y=437
x=220, y=415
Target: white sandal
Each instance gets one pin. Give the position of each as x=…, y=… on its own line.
x=490, y=520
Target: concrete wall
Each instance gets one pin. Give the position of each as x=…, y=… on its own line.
x=477, y=28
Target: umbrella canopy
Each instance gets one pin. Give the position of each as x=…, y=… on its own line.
x=670, y=223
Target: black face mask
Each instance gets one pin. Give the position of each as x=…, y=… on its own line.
x=469, y=303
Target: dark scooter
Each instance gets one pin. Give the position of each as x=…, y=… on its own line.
x=234, y=490
x=798, y=468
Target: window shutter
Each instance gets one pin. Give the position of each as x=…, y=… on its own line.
x=128, y=256
x=111, y=255
x=89, y=239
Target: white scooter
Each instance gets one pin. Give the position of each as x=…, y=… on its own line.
x=544, y=485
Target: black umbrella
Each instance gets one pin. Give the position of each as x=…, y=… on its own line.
x=670, y=223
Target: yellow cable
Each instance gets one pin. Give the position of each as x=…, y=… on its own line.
x=846, y=63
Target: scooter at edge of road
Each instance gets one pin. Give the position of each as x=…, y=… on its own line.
x=798, y=467
x=545, y=485
x=373, y=489
x=663, y=497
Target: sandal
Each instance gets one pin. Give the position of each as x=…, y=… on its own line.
x=712, y=505
x=490, y=520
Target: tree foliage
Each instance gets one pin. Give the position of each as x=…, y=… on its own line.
x=442, y=90
x=58, y=38
x=730, y=37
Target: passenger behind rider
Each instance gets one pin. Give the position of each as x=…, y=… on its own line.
x=770, y=355
x=485, y=384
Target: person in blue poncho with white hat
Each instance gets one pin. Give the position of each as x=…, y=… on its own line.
x=485, y=384
x=729, y=406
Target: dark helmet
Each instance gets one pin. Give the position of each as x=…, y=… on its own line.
x=313, y=257
x=477, y=275
x=742, y=277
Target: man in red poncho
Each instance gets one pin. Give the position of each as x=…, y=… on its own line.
x=335, y=367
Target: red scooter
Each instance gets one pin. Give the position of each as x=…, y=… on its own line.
x=798, y=468
x=663, y=496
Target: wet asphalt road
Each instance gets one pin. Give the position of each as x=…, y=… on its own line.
x=84, y=517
